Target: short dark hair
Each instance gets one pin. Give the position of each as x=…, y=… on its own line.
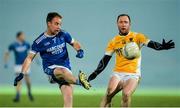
x=51, y=15
x=124, y=15
x=19, y=33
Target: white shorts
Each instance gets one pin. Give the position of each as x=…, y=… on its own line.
x=125, y=76
x=56, y=66
x=18, y=69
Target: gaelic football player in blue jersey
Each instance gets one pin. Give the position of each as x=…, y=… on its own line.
x=20, y=48
x=51, y=45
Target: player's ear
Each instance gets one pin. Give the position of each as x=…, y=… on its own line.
x=48, y=23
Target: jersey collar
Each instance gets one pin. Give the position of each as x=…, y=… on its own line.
x=49, y=36
x=125, y=35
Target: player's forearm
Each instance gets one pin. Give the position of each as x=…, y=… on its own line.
x=155, y=45
x=76, y=45
x=27, y=62
x=6, y=57
x=26, y=65
x=102, y=64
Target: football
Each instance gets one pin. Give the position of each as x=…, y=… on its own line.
x=131, y=51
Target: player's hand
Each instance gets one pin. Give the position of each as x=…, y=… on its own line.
x=92, y=76
x=80, y=53
x=168, y=45
x=5, y=66
x=18, y=78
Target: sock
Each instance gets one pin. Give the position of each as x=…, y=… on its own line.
x=78, y=82
x=17, y=95
x=29, y=93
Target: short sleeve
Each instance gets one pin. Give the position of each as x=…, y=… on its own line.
x=110, y=48
x=28, y=46
x=68, y=38
x=10, y=47
x=143, y=39
x=34, y=48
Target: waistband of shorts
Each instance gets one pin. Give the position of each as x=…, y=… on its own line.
x=49, y=70
x=126, y=73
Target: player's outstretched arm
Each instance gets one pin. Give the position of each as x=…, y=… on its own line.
x=6, y=57
x=25, y=68
x=80, y=53
x=161, y=46
x=101, y=66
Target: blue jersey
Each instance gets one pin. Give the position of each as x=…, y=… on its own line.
x=20, y=50
x=52, y=49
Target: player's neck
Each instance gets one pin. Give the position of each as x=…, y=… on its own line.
x=49, y=34
x=123, y=34
x=19, y=41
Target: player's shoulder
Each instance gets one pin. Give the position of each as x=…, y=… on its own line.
x=15, y=43
x=40, y=38
x=26, y=43
x=63, y=33
x=137, y=33
x=116, y=38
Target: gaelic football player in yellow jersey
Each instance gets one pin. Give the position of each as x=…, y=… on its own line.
x=126, y=73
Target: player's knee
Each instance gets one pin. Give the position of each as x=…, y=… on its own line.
x=109, y=93
x=126, y=95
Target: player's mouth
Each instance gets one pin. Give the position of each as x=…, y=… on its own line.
x=57, y=30
x=123, y=29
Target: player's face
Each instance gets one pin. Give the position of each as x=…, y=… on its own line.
x=54, y=25
x=123, y=24
x=21, y=37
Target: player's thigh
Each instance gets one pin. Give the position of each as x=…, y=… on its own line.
x=130, y=86
x=59, y=72
x=67, y=90
x=112, y=85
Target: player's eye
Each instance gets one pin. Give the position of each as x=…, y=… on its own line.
x=120, y=22
x=126, y=22
x=57, y=24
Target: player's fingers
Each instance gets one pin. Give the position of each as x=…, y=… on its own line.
x=163, y=41
x=172, y=43
x=169, y=41
x=172, y=47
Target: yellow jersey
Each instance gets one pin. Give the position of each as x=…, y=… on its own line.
x=121, y=63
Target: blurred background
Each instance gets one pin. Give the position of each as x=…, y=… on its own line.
x=93, y=23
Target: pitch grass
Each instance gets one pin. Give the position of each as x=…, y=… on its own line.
x=54, y=100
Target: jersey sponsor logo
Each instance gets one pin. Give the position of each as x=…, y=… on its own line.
x=56, y=49
x=21, y=48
